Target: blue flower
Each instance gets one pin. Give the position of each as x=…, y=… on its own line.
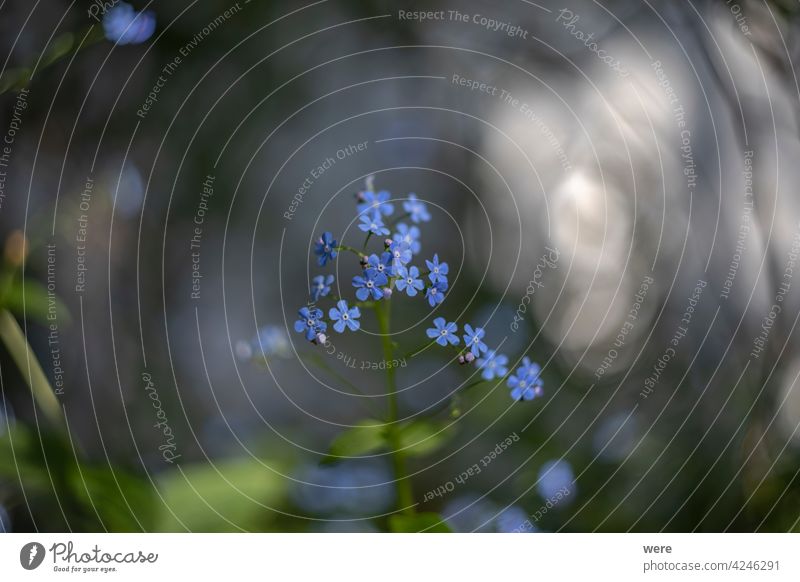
x=320, y=286
x=344, y=316
x=123, y=25
x=493, y=365
x=409, y=281
x=326, y=249
x=416, y=209
x=438, y=271
x=474, y=340
x=435, y=293
x=376, y=204
x=513, y=519
x=556, y=477
x=310, y=322
x=369, y=285
x=374, y=224
x=272, y=340
x=526, y=384
x=443, y=332
x=382, y=265
x=401, y=253
x=408, y=235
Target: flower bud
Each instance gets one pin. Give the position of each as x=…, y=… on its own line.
x=16, y=248
x=387, y=292
x=320, y=339
x=388, y=242
x=469, y=357
x=461, y=360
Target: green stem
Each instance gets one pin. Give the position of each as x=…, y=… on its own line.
x=21, y=352
x=405, y=495
x=420, y=349
x=356, y=252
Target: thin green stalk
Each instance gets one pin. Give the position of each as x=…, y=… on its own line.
x=320, y=362
x=420, y=349
x=405, y=495
x=21, y=352
x=356, y=252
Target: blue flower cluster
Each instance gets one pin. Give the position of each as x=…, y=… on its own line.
x=381, y=272
x=390, y=270
x=525, y=382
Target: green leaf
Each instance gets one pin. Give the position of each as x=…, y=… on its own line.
x=366, y=437
x=37, y=302
x=225, y=496
x=418, y=522
x=61, y=46
x=422, y=437
x=123, y=502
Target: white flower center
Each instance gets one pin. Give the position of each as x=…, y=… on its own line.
x=345, y=316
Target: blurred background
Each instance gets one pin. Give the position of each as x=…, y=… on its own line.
x=613, y=185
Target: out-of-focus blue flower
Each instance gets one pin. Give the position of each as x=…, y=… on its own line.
x=493, y=365
x=554, y=477
x=438, y=271
x=409, y=235
x=435, y=293
x=123, y=25
x=526, y=384
x=344, y=316
x=325, y=249
x=347, y=489
x=129, y=193
x=271, y=340
x=376, y=203
x=409, y=281
x=321, y=286
x=469, y=513
x=416, y=209
x=373, y=223
x=530, y=367
x=513, y=520
x=380, y=265
x=401, y=253
x=310, y=322
x=443, y=332
x=473, y=339
x=369, y=285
